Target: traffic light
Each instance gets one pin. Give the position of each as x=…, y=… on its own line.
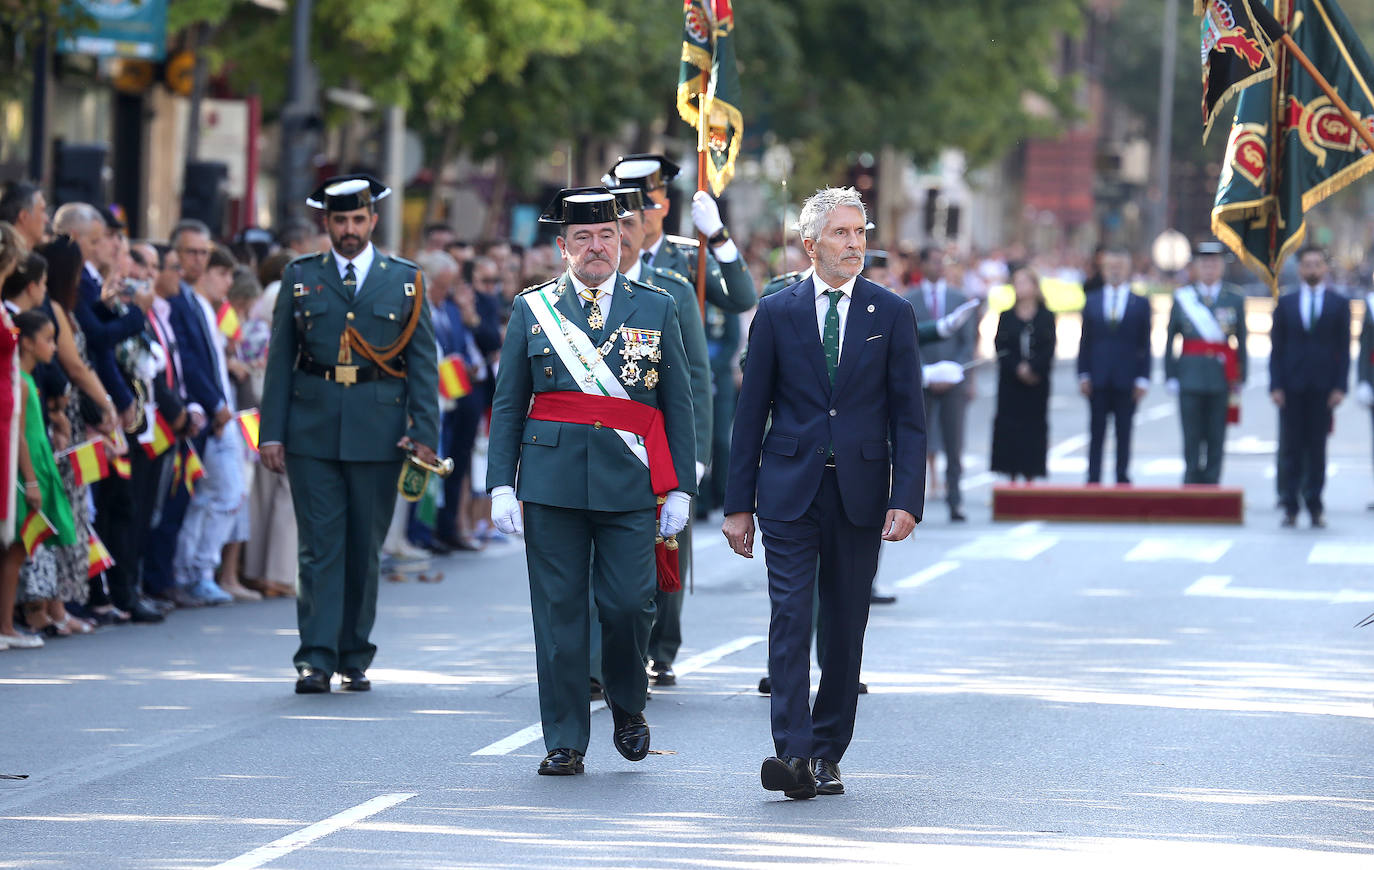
x=79, y=173
x=202, y=194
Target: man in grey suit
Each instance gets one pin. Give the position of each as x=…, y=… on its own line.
x=945, y=403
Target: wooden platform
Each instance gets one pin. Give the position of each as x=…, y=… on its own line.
x=1125, y=504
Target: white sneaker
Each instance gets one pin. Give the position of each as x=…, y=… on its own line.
x=21, y=641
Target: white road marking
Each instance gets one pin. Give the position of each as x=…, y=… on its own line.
x=1218, y=586
x=925, y=575
x=700, y=661
x=1162, y=467
x=307, y=835
x=1025, y=530
x=1341, y=554
x=1002, y=547
x=1183, y=549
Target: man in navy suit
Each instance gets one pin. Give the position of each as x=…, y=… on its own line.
x=833, y=361
x=1309, y=369
x=1114, y=361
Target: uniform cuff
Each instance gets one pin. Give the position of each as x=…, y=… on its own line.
x=726, y=252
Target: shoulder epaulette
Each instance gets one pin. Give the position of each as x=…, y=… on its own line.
x=537, y=287
x=790, y=277
x=404, y=262
x=683, y=240
x=642, y=285
x=674, y=274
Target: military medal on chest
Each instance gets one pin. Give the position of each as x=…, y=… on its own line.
x=650, y=379
x=629, y=373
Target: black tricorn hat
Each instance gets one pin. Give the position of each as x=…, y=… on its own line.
x=583, y=205
x=348, y=193
x=633, y=199
x=647, y=171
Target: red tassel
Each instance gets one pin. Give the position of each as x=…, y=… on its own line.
x=665, y=559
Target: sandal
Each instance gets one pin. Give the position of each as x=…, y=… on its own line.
x=79, y=625
x=58, y=629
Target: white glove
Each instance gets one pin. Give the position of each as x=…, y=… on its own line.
x=505, y=511
x=946, y=371
x=1364, y=392
x=1172, y=386
x=947, y=325
x=706, y=214
x=701, y=472
x=677, y=508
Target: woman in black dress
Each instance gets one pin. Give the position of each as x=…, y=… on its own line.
x=1025, y=353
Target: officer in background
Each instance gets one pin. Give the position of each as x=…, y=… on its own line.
x=729, y=286
x=352, y=383
x=1364, y=366
x=606, y=440
x=1208, y=370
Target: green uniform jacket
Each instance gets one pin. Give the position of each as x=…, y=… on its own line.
x=1364, y=366
x=694, y=342
x=322, y=419
x=572, y=465
x=1206, y=374
x=729, y=286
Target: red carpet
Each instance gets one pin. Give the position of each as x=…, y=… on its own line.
x=1126, y=504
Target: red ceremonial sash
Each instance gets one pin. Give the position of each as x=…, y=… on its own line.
x=629, y=416
x=1198, y=347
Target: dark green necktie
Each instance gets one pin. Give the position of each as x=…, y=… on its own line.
x=830, y=337
x=351, y=277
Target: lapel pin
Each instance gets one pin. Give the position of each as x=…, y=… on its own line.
x=872, y=308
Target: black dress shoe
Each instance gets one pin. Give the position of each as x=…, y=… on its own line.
x=143, y=612
x=312, y=681
x=863, y=688
x=161, y=605
x=631, y=734
x=561, y=762
x=663, y=674
x=791, y=775
x=597, y=693
x=1318, y=520
x=354, y=680
x=765, y=686
x=827, y=775
x=876, y=597
x=1288, y=521
x=956, y=516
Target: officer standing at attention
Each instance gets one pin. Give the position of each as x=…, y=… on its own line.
x=352, y=383
x=729, y=286
x=1207, y=372
x=603, y=462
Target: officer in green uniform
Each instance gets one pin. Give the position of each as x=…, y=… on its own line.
x=608, y=435
x=352, y=383
x=729, y=286
x=1208, y=366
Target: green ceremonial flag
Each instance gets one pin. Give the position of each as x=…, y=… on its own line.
x=708, y=52
x=1290, y=146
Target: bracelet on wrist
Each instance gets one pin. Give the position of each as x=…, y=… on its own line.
x=31, y=484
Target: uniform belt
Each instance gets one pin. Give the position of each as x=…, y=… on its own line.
x=346, y=375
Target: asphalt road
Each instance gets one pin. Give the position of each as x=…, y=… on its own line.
x=1047, y=695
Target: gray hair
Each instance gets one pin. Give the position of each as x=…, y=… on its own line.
x=434, y=263
x=75, y=218
x=817, y=208
x=188, y=225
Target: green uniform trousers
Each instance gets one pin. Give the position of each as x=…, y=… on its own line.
x=1203, y=416
x=342, y=511
x=570, y=552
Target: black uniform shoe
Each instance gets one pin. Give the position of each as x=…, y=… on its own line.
x=663, y=674
x=597, y=693
x=354, y=680
x=863, y=688
x=631, y=735
x=312, y=681
x=827, y=775
x=791, y=775
x=957, y=516
x=144, y=612
x=765, y=685
x=1318, y=520
x=1288, y=521
x=561, y=762
x=876, y=597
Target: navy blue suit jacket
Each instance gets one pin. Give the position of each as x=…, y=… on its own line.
x=198, y=367
x=104, y=330
x=1115, y=356
x=873, y=414
x=1318, y=359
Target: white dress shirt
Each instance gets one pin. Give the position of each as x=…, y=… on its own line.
x=1208, y=293
x=632, y=273
x=217, y=343
x=605, y=292
x=362, y=264
x=1310, y=296
x=823, y=305
x=1114, y=299
x=935, y=298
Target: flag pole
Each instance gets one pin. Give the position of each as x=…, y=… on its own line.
x=702, y=144
x=1350, y=118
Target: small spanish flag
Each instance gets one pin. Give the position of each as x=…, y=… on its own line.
x=249, y=422
x=176, y=471
x=229, y=322
x=36, y=530
x=454, y=382
x=89, y=462
x=121, y=466
x=100, y=558
x=162, y=438
x=195, y=469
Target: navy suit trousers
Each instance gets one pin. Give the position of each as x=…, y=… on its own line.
x=848, y=559
x=1119, y=404
x=1304, y=424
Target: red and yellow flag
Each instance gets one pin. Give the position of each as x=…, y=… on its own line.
x=195, y=469
x=35, y=531
x=176, y=471
x=100, y=559
x=454, y=382
x=121, y=466
x=250, y=421
x=89, y=462
x=229, y=323
x=162, y=438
